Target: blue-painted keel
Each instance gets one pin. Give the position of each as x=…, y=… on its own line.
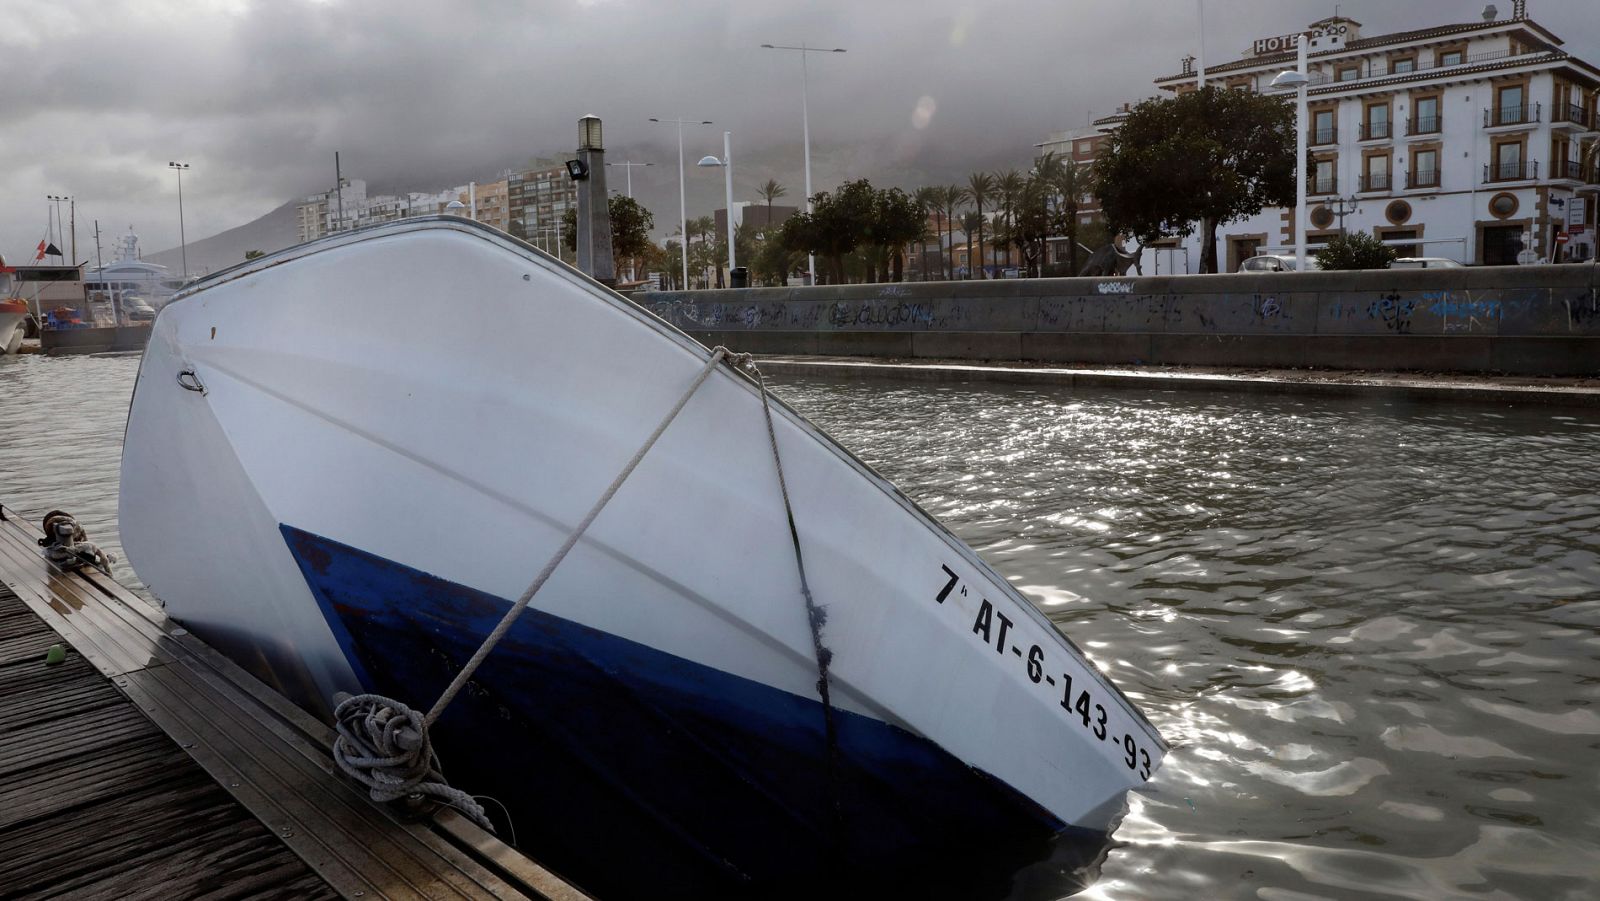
x=637, y=773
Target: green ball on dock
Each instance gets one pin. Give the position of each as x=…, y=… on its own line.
x=56, y=654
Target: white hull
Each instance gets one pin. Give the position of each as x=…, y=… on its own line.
x=11, y=331
x=470, y=457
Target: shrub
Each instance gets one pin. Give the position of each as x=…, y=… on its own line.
x=1358, y=250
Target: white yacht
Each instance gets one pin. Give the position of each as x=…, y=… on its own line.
x=129, y=282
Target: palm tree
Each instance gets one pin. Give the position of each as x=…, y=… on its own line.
x=771, y=191
x=927, y=200
x=1073, y=182
x=954, y=196
x=1010, y=184
x=972, y=222
x=980, y=187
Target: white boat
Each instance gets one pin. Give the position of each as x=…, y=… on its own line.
x=128, y=281
x=341, y=506
x=13, y=313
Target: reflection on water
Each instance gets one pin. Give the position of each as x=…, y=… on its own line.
x=1371, y=630
x=61, y=421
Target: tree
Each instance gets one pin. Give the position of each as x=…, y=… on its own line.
x=897, y=221
x=771, y=191
x=972, y=222
x=928, y=201
x=1070, y=182
x=980, y=186
x=1357, y=250
x=837, y=224
x=1008, y=186
x=954, y=196
x=1035, y=218
x=630, y=228
x=1210, y=156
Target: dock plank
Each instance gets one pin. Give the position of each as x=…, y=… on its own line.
x=168, y=771
x=95, y=801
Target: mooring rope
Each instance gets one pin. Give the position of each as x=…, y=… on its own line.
x=384, y=744
x=816, y=616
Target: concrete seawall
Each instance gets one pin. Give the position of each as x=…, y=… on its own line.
x=1536, y=320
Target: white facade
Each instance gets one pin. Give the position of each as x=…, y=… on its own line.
x=1463, y=141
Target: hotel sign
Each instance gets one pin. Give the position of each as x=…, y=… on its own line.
x=1285, y=42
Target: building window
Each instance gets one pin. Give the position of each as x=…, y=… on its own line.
x=1425, y=168
x=1508, y=164
x=1452, y=58
x=1348, y=73
x=1376, y=125
x=1324, y=127
x=1324, y=178
x=1511, y=102
x=1425, y=114
x=1376, y=178
x=1408, y=64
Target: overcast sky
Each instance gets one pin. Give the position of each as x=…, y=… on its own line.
x=256, y=96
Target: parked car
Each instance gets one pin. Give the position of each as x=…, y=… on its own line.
x=1275, y=262
x=1425, y=263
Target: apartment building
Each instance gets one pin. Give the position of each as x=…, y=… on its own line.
x=1472, y=141
x=350, y=206
x=537, y=198
x=490, y=200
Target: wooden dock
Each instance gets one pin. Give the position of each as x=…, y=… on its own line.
x=146, y=765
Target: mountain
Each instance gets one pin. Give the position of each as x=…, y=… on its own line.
x=274, y=231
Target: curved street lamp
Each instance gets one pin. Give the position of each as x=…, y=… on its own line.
x=1297, y=80
x=726, y=165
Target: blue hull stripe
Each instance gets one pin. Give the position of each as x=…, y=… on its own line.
x=638, y=773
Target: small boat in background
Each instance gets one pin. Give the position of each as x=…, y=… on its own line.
x=13, y=316
x=342, y=506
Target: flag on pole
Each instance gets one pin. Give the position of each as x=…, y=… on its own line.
x=51, y=251
x=40, y=255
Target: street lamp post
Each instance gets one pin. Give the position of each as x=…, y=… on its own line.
x=630, y=167
x=1296, y=78
x=183, y=240
x=683, y=208
x=726, y=164
x=805, y=124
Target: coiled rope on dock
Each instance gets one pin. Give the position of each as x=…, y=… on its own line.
x=383, y=743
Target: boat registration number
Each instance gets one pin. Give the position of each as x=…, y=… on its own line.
x=1077, y=701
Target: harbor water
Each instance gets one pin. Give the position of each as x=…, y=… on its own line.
x=1370, y=630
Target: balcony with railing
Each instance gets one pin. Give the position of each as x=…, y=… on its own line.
x=1380, y=70
x=1569, y=170
x=1570, y=114
x=1329, y=135
x=1375, y=181
x=1376, y=131
x=1522, y=114
x=1322, y=184
x=1520, y=171
x=1424, y=125
x=1423, y=178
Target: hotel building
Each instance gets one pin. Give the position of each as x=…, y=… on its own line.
x=1475, y=142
